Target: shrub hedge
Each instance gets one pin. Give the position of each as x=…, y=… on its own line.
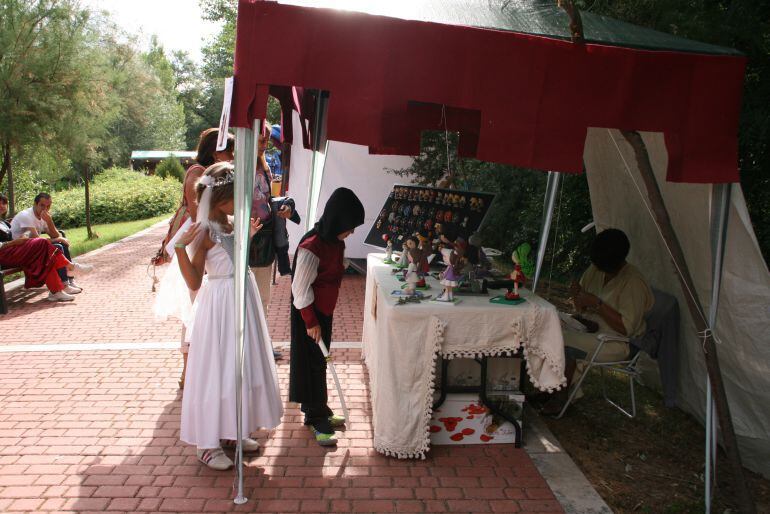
x=170, y=168
x=117, y=194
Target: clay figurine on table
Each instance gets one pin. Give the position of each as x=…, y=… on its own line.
x=520, y=258
x=388, y=249
x=410, y=275
x=403, y=259
x=426, y=250
x=450, y=278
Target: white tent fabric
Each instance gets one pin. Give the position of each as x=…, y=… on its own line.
x=350, y=166
x=743, y=323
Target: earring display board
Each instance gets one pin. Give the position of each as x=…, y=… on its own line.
x=412, y=209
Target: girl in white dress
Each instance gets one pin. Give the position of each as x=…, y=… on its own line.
x=208, y=405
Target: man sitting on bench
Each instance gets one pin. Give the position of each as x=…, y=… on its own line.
x=36, y=221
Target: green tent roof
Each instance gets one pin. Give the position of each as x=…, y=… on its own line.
x=537, y=17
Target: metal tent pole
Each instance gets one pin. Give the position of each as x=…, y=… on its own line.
x=320, y=145
x=245, y=152
x=551, y=188
x=720, y=210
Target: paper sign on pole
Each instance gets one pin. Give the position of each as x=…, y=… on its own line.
x=224, y=120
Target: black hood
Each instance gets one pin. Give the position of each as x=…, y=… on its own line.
x=343, y=212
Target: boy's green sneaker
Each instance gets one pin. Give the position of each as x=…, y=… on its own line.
x=336, y=421
x=324, y=439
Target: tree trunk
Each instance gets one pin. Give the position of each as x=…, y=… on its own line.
x=6, y=161
x=91, y=234
x=658, y=206
x=7, y=169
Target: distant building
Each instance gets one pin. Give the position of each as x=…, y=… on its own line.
x=148, y=160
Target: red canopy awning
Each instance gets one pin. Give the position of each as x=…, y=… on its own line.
x=515, y=98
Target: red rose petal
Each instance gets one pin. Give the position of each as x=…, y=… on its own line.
x=485, y=437
x=456, y=437
x=468, y=431
x=434, y=429
x=469, y=417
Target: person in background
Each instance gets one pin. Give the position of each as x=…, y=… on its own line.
x=38, y=258
x=262, y=251
x=206, y=155
x=318, y=270
x=36, y=221
x=612, y=295
x=169, y=299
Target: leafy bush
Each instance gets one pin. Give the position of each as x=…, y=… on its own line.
x=116, y=195
x=170, y=167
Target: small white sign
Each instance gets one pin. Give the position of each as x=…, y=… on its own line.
x=224, y=120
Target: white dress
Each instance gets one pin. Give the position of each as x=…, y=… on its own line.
x=208, y=404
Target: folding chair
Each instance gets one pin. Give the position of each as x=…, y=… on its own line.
x=663, y=316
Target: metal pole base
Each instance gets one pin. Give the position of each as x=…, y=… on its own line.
x=240, y=500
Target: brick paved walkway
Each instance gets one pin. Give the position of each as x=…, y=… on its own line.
x=95, y=431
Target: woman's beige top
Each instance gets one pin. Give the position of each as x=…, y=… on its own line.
x=627, y=293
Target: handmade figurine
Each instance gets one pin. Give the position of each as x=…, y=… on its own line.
x=388, y=249
x=450, y=278
x=410, y=275
x=520, y=258
x=425, y=249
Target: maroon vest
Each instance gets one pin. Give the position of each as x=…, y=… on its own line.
x=331, y=268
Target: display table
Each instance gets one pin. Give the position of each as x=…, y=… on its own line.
x=402, y=342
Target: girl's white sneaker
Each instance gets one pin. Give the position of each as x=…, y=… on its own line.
x=215, y=458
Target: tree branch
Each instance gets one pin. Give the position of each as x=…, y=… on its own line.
x=575, y=21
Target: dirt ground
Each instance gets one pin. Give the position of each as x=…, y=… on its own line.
x=650, y=464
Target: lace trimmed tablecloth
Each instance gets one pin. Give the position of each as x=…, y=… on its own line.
x=401, y=344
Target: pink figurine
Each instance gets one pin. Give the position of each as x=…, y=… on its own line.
x=455, y=261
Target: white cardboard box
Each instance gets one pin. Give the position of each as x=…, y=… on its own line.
x=461, y=419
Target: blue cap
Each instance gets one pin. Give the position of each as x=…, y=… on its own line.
x=275, y=132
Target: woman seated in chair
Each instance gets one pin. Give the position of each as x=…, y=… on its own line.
x=614, y=297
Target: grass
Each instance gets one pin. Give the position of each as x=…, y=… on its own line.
x=108, y=233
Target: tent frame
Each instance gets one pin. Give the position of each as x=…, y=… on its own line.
x=718, y=233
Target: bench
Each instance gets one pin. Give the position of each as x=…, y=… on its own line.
x=3, y=274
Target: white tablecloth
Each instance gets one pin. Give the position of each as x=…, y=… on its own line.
x=401, y=344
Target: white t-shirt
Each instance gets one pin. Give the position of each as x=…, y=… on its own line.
x=26, y=219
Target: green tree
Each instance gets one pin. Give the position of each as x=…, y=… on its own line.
x=218, y=60
x=40, y=45
x=190, y=93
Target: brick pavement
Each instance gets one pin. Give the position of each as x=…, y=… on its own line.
x=96, y=431
x=117, y=302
